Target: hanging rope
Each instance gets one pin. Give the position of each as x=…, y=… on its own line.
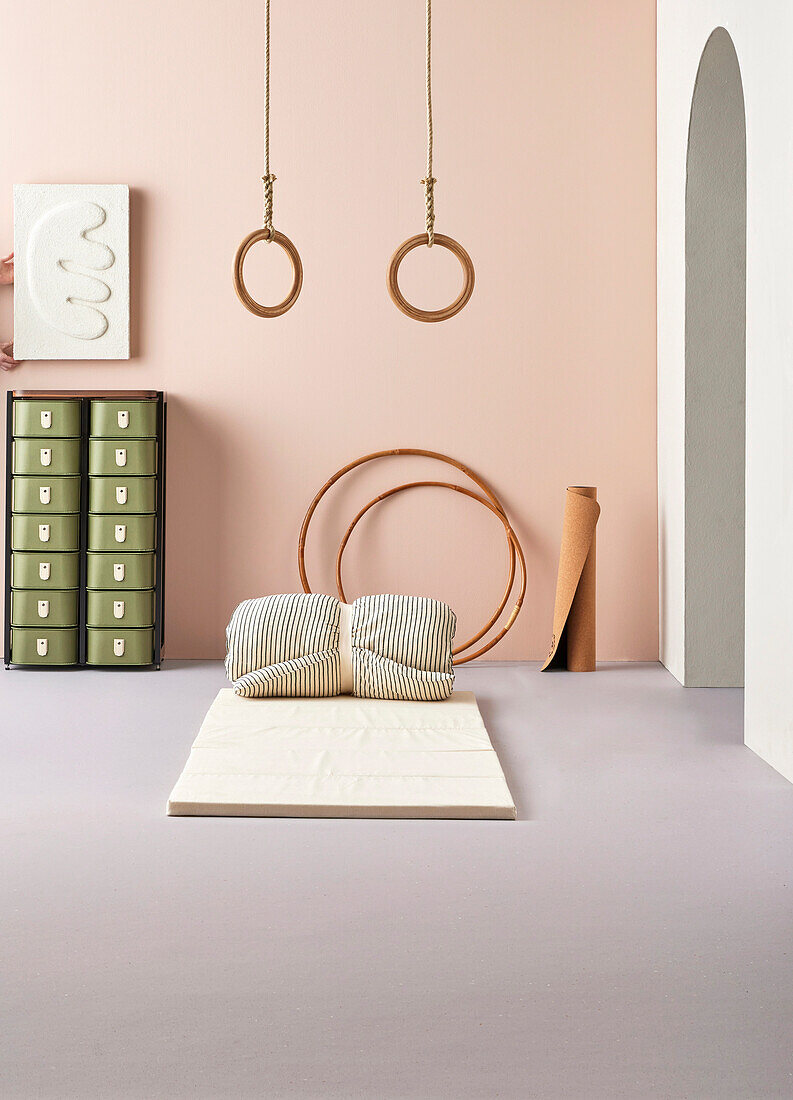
x=430, y=237
x=268, y=179
x=430, y=181
x=267, y=233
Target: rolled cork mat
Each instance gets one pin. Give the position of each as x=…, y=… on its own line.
x=573, y=642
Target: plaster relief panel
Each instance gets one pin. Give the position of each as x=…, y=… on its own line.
x=71, y=294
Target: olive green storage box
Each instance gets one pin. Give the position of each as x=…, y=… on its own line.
x=43, y=495
x=120, y=647
x=44, y=570
x=59, y=457
x=132, y=457
x=120, y=571
x=45, y=532
x=116, y=495
x=127, y=419
x=121, y=532
x=43, y=646
x=42, y=418
x=37, y=607
x=127, y=609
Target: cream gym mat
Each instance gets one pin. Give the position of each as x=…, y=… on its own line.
x=342, y=757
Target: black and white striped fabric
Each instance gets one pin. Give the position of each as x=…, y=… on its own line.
x=285, y=646
x=290, y=645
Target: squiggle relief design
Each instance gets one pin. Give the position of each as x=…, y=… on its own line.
x=60, y=255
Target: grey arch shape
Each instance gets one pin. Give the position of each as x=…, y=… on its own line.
x=715, y=377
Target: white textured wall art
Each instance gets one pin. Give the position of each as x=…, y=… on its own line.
x=71, y=294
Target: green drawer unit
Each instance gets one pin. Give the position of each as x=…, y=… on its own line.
x=120, y=647
x=130, y=457
x=57, y=533
x=39, y=645
x=85, y=528
x=124, y=419
x=127, y=609
x=118, y=496
x=45, y=570
x=129, y=533
x=59, y=457
x=45, y=495
x=37, y=418
x=120, y=572
x=37, y=607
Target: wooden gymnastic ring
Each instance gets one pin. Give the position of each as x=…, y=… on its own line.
x=514, y=545
x=401, y=302
x=511, y=538
x=297, y=273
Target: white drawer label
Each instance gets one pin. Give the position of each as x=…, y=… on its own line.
x=118, y=647
x=44, y=494
x=121, y=494
x=44, y=532
x=44, y=608
x=121, y=532
x=41, y=647
x=46, y=419
x=44, y=570
x=121, y=456
x=118, y=609
x=118, y=571
x=123, y=419
x=46, y=456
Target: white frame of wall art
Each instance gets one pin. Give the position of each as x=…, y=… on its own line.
x=71, y=278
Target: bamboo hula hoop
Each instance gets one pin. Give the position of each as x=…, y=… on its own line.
x=429, y=238
x=486, y=498
x=267, y=233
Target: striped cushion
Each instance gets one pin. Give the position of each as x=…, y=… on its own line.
x=289, y=645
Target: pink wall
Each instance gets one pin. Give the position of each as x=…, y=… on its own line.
x=545, y=160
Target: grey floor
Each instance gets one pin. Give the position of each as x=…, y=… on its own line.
x=630, y=936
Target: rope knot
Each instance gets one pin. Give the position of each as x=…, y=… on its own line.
x=268, y=179
x=429, y=208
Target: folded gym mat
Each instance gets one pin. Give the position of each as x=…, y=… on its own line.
x=342, y=757
x=308, y=644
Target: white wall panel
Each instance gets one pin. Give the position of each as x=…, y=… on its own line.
x=763, y=38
